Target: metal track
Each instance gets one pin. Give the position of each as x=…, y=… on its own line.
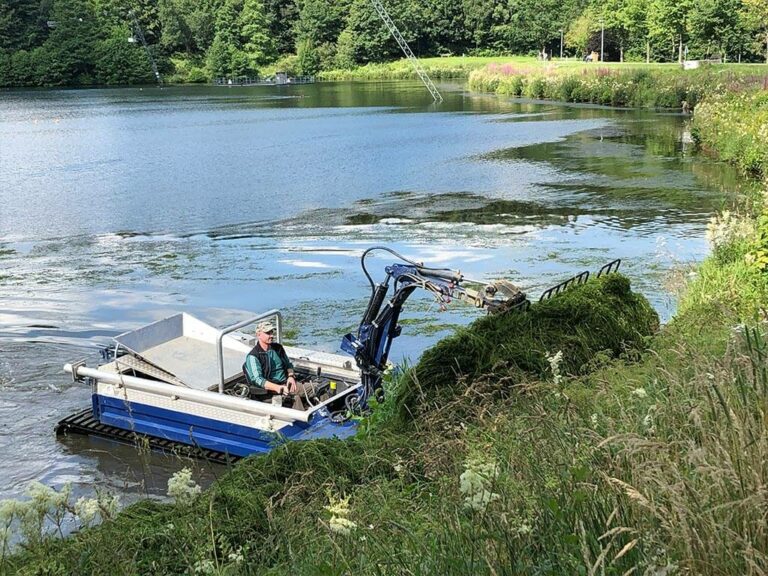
x=610, y=268
x=407, y=50
x=85, y=423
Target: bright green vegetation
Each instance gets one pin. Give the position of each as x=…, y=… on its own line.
x=735, y=124
x=630, y=85
x=445, y=67
x=82, y=42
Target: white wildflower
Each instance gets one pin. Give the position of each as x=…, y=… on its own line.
x=236, y=556
x=12, y=509
x=339, y=509
x=639, y=393
x=593, y=420
x=44, y=498
x=109, y=504
x=648, y=421
x=204, y=567
x=726, y=228
x=554, y=365
x=86, y=509
x=182, y=488
x=476, y=481
x=341, y=525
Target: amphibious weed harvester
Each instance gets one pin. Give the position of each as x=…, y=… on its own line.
x=178, y=383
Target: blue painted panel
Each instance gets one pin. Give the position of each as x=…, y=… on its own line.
x=207, y=432
x=170, y=417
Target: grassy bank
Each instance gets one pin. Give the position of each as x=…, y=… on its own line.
x=400, y=477
x=577, y=438
x=629, y=85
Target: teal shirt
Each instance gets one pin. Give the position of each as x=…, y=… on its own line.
x=278, y=372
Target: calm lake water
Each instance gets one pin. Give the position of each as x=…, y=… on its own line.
x=120, y=207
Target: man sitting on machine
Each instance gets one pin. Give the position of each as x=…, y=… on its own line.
x=268, y=369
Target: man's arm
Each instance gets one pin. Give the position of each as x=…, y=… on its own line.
x=289, y=371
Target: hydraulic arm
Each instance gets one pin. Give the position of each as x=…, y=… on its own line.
x=378, y=328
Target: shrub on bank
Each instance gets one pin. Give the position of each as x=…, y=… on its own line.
x=187, y=71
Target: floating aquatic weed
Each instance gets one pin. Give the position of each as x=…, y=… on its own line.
x=182, y=488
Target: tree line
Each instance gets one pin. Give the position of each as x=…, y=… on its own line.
x=80, y=42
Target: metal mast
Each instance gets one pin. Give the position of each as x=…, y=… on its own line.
x=407, y=50
x=138, y=33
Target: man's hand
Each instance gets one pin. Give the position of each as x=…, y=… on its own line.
x=291, y=383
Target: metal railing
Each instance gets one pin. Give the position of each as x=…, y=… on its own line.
x=224, y=331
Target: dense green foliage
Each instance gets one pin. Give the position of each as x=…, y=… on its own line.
x=76, y=42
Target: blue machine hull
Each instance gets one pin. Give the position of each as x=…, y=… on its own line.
x=209, y=433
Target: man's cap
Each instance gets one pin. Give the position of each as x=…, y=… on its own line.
x=265, y=327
